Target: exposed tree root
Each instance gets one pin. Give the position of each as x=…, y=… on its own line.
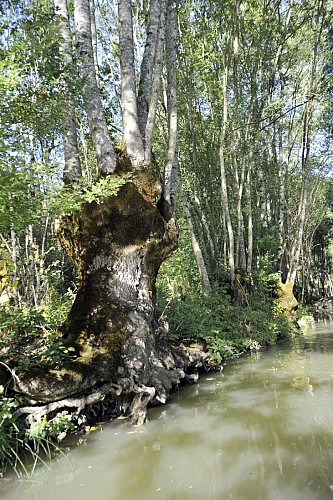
x=122, y=396
x=36, y=413
x=138, y=409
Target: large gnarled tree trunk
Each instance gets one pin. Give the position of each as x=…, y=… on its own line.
x=118, y=244
x=118, y=247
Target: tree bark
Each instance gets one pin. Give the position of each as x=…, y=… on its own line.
x=105, y=154
x=155, y=87
x=224, y=190
x=72, y=169
x=281, y=205
x=118, y=247
x=205, y=283
x=94, y=38
x=147, y=65
x=240, y=242
x=250, y=219
x=170, y=172
x=132, y=137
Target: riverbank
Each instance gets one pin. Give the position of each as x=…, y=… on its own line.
x=204, y=333
x=253, y=430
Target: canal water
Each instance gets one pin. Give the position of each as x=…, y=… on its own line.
x=262, y=429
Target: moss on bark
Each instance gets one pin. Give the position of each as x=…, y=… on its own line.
x=285, y=298
x=118, y=246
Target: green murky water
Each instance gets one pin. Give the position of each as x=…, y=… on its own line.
x=262, y=429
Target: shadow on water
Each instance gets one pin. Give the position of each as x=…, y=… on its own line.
x=261, y=429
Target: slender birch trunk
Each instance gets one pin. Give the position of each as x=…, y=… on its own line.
x=297, y=246
x=250, y=219
x=94, y=39
x=240, y=243
x=72, y=169
x=105, y=154
x=132, y=136
x=203, y=220
x=281, y=202
x=171, y=57
x=147, y=65
x=205, y=282
x=155, y=87
x=224, y=189
x=14, y=253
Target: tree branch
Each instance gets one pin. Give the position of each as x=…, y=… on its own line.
x=132, y=136
x=105, y=154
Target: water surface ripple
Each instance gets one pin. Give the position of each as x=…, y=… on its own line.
x=261, y=429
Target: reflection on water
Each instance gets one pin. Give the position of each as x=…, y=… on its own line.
x=261, y=429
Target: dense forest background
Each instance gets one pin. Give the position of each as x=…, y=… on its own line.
x=255, y=127
x=242, y=134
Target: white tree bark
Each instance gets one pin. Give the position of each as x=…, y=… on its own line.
x=105, y=154
x=203, y=220
x=205, y=282
x=224, y=190
x=72, y=169
x=240, y=256
x=155, y=87
x=171, y=57
x=147, y=65
x=94, y=38
x=132, y=137
x=250, y=221
x=282, y=203
x=297, y=246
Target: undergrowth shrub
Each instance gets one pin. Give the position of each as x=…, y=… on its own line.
x=227, y=328
x=26, y=320
x=37, y=440
x=10, y=440
x=30, y=336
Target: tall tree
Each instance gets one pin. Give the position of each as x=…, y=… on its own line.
x=71, y=151
x=119, y=243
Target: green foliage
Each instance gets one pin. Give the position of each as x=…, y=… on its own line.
x=42, y=431
x=15, y=439
x=55, y=312
x=17, y=321
x=37, y=330
x=265, y=281
x=304, y=316
x=178, y=276
x=72, y=197
x=56, y=353
x=10, y=440
x=227, y=328
x=20, y=196
x=303, y=311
